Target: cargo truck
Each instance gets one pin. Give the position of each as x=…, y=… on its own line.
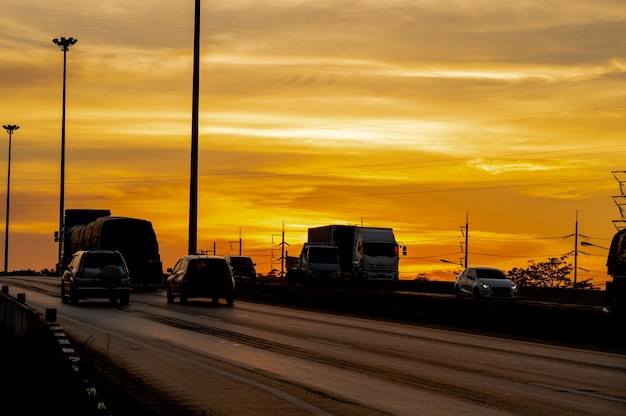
x=317, y=262
x=368, y=253
x=95, y=229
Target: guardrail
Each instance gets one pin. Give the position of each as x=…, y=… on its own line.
x=537, y=315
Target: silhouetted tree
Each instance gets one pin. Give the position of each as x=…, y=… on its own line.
x=552, y=273
x=421, y=277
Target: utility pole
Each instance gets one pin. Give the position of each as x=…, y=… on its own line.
x=283, y=253
x=193, y=176
x=620, y=200
x=465, y=233
x=576, y=251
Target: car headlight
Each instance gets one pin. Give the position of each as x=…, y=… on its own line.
x=514, y=287
x=484, y=285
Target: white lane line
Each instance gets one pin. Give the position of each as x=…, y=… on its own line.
x=581, y=392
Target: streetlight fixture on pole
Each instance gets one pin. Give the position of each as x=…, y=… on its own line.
x=588, y=244
x=10, y=128
x=451, y=262
x=64, y=44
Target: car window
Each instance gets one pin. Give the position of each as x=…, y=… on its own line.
x=100, y=260
x=240, y=261
x=178, y=266
x=490, y=274
x=208, y=267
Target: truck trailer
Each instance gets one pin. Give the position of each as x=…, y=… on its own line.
x=87, y=229
x=368, y=253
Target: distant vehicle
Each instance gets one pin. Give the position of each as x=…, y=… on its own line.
x=615, y=297
x=94, y=229
x=369, y=253
x=200, y=276
x=484, y=282
x=316, y=262
x=96, y=274
x=243, y=268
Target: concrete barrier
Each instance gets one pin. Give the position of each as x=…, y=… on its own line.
x=41, y=334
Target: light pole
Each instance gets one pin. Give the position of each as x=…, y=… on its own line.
x=64, y=44
x=193, y=176
x=10, y=128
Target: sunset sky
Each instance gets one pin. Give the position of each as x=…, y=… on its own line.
x=397, y=113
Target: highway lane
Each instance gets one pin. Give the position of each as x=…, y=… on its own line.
x=260, y=359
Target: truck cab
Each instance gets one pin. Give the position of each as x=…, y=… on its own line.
x=376, y=255
x=615, y=298
x=316, y=262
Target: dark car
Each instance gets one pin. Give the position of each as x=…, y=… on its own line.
x=243, y=268
x=484, y=282
x=96, y=274
x=200, y=276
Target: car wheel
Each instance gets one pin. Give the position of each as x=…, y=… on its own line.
x=230, y=300
x=73, y=297
x=457, y=292
x=124, y=299
x=64, y=297
x=111, y=276
x=183, y=296
x=168, y=295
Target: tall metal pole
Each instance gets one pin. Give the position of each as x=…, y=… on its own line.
x=10, y=128
x=193, y=177
x=576, y=251
x=465, y=233
x=64, y=44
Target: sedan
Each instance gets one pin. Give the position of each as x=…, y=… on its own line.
x=200, y=276
x=484, y=282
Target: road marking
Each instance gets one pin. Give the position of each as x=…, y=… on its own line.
x=334, y=344
x=210, y=318
x=581, y=392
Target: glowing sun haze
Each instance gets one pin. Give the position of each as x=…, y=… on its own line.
x=403, y=114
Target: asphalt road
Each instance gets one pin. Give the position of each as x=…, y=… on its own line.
x=259, y=359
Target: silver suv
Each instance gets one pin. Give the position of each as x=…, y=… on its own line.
x=96, y=274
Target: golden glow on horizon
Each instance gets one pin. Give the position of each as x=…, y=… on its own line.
x=403, y=114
